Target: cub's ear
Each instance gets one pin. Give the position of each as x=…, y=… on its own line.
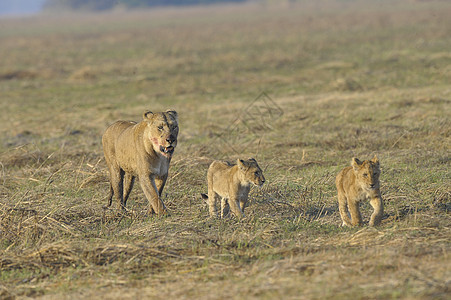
x=375, y=160
x=355, y=163
x=148, y=115
x=172, y=113
x=241, y=164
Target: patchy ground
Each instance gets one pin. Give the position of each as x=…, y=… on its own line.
x=340, y=79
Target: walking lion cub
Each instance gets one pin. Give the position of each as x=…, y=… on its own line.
x=231, y=182
x=359, y=182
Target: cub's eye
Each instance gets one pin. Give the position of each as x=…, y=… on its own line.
x=160, y=127
x=365, y=175
x=257, y=173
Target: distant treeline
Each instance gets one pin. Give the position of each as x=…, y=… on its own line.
x=109, y=4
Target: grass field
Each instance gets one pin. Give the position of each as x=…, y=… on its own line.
x=302, y=87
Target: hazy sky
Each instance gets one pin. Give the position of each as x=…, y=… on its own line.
x=18, y=7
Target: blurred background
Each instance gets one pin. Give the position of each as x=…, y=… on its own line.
x=21, y=7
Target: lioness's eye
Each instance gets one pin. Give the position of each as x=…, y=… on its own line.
x=375, y=173
x=365, y=175
x=160, y=127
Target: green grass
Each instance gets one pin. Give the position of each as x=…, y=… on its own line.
x=352, y=78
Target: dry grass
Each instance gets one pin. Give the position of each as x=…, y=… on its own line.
x=346, y=78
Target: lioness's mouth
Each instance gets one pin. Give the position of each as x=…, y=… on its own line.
x=167, y=150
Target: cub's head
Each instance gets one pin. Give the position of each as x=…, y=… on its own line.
x=162, y=131
x=367, y=173
x=251, y=172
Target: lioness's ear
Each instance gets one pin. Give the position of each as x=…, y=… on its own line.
x=148, y=115
x=172, y=113
x=355, y=163
x=252, y=159
x=375, y=160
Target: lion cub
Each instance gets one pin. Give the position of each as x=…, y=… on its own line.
x=359, y=182
x=231, y=182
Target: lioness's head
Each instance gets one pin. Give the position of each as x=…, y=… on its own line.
x=251, y=172
x=367, y=173
x=162, y=131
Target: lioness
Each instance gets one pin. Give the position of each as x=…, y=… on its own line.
x=231, y=182
x=359, y=182
x=141, y=149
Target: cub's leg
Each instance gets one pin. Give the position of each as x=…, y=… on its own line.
x=356, y=218
x=235, y=207
x=224, y=207
x=129, y=180
x=243, y=203
x=160, y=182
x=150, y=190
x=213, y=199
x=343, y=208
x=378, y=212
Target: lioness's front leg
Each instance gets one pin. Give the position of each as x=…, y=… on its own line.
x=150, y=190
x=160, y=181
x=378, y=206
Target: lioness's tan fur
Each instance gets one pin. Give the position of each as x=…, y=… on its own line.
x=359, y=182
x=232, y=182
x=144, y=150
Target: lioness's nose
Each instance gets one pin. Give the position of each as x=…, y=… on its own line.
x=170, y=139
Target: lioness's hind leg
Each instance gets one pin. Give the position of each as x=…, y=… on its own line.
x=129, y=180
x=110, y=197
x=343, y=208
x=117, y=184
